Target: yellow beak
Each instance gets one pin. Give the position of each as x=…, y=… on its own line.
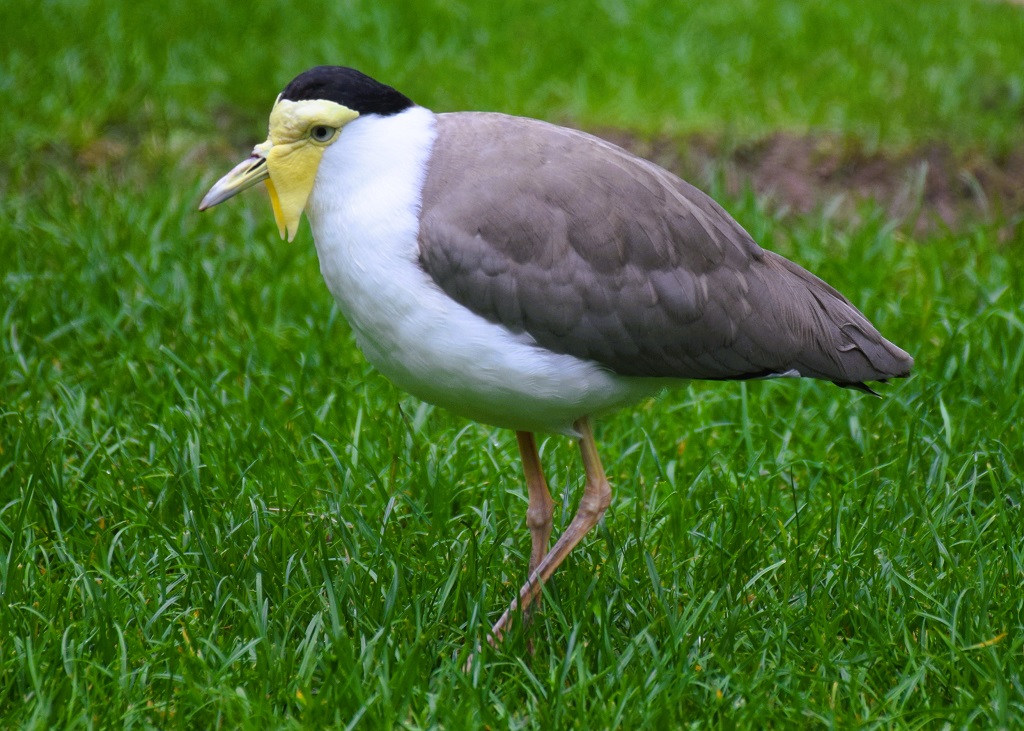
x=297, y=180
x=246, y=174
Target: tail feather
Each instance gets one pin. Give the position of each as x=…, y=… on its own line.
x=845, y=347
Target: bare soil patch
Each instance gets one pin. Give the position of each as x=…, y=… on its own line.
x=926, y=188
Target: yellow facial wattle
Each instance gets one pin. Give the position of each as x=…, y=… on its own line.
x=294, y=156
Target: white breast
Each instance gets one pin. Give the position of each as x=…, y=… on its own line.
x=364, y=211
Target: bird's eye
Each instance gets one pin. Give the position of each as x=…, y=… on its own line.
x=321, y=133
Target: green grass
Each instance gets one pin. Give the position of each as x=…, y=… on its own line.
x=213, y=513
x=889, y=73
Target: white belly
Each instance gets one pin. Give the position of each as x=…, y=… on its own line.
x=364, y=211
x=452, y=358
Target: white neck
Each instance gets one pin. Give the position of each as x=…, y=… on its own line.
x=364, y=210
x=374, y=155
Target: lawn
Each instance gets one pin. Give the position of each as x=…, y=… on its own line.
x=215, y=514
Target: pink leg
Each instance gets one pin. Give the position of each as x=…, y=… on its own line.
x=597, y=495
x=541, y=507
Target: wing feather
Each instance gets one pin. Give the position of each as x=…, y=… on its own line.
x=596, y=253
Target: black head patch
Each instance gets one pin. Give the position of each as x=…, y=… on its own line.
x=348, y=87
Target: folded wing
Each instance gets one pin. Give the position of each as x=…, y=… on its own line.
x=596, y=253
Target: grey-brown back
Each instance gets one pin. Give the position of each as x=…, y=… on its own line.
x=597, y=253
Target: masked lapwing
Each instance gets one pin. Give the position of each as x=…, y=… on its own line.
x=530, y=276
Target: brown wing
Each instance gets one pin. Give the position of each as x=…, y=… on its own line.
x=602, y=255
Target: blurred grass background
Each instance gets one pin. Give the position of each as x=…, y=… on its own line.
x=893, y=73
x=214, y=514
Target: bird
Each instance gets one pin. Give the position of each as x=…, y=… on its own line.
x=534, y=277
